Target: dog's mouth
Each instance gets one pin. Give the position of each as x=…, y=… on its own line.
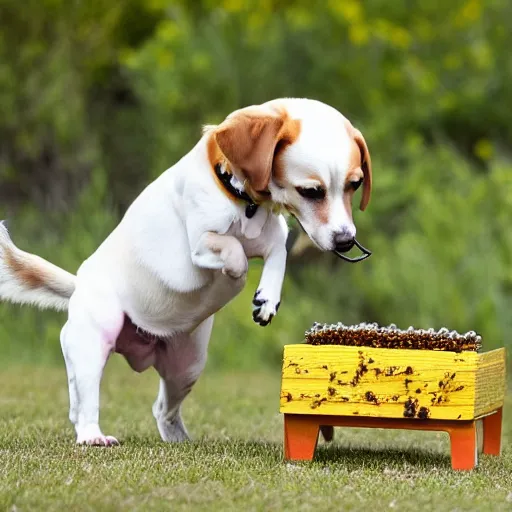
x=349, y=245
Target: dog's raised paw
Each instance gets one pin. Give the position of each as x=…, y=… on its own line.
x=263, y=310
x=236, y=268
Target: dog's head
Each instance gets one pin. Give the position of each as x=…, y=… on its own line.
x=303, y=155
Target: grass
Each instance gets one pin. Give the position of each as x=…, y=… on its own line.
x=235, y=463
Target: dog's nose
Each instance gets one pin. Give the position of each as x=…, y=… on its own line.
x=343, y=242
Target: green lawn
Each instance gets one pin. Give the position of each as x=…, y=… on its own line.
x=235, y=463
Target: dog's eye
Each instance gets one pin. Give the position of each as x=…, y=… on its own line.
x=312, y=193
x=356, y=184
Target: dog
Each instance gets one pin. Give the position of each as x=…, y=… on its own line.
x=180, y=252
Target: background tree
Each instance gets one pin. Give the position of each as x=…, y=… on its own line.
x=98, y=98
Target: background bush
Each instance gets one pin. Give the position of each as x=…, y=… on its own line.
x=100, y=97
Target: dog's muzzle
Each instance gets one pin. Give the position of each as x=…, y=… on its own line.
x=346, y=246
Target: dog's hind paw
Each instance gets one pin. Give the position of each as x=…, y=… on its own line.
x=173, y=431
x=263, y=310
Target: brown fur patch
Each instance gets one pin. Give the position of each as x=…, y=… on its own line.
x=253, y=139
x=315, y=177
x=321, y=207
x=360, y=157
x=289, y=134
x=248, y=141
x=213, y=151
x=355, y=160
x=27, y=274
x=215, y=157
x=354, y=174
x=347, y=202
x=322, y=211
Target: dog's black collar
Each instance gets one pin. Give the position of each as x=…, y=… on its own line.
x=225, y=179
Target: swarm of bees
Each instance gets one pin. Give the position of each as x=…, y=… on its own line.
x=373, y=335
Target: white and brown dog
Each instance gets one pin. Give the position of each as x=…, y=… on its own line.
x=180, y=253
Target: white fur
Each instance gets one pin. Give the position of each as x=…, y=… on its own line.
x=178, y=256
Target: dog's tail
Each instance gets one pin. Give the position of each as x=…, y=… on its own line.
x=28, y=279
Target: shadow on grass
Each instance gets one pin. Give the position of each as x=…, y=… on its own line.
x=351, y=458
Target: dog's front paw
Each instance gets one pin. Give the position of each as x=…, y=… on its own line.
x=91, y=435
x=99, y=441
x=263, y=310
x=235, y=266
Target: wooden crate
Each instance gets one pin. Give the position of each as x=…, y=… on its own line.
x=391, y=383
x=419, y=389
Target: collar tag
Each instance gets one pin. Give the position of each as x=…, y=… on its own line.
x=250, y=210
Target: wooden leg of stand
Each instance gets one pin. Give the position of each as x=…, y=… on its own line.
x=300, y=436
x=327, y=432
x=464, y=446
x=492, y=432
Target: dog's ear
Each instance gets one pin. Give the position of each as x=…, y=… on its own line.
x=366, y=166
x=248, y=139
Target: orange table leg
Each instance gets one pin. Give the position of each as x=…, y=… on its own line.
x=300, y=436
x=464, y=446
x=492, y=432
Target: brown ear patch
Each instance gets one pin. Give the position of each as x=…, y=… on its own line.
x=366, y=166
x=215, y=157
x=249, y=140
x=365, y=163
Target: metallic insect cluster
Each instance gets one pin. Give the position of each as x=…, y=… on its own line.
x=373, y=335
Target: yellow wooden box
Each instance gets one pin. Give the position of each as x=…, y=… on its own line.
x=391, y=383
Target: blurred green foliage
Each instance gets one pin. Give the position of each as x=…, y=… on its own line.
x=98, y=98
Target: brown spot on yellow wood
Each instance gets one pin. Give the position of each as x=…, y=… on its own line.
x=462, y=388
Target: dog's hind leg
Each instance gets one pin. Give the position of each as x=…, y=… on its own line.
x=180, y=362
x=87, y=341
